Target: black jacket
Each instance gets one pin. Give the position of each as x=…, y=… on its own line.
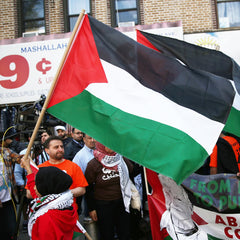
x=72, y=148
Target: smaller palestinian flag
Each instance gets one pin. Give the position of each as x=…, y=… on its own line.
x=201, y=58
x=34, y=167
x=78, y=230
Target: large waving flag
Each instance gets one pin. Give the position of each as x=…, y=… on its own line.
x=166, y=118
x=203, y=207
x=197, y=57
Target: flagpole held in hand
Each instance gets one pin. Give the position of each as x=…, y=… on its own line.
x=44, y=108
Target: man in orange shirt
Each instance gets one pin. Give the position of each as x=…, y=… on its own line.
x=225, y=155
x=54, y=148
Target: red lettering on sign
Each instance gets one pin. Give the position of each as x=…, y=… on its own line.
x=237, y=231
x=226, y=231
x=219, y=220
x=16, y=68
x=43, y=66
x=232, y=221
x=229, y=233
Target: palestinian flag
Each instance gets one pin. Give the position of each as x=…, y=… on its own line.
x=197, y=57
x=166, y=118
x=34, y=167
x=78, y=230
x=205, y=207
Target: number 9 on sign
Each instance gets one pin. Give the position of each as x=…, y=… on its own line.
x=15, y=70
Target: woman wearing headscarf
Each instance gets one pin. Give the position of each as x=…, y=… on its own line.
x=52, y=214
x=109, y=192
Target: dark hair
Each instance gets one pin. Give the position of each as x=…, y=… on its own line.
x=8, y=135
x=1, y=136
x=47, y=142
x=74, y=129
x=49, y=132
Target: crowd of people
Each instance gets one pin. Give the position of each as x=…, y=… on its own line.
x=74, y=175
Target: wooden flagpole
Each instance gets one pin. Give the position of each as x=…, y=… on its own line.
x=146, y=182
x=87, y=236
x=44, y=108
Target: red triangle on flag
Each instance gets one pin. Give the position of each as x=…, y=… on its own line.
x=82, y=66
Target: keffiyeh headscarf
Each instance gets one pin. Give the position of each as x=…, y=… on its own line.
x=53, y=184
x=114, y=161
x=40, y=206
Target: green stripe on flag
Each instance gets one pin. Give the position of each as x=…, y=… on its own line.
x=233, y=122
x=131, y=136
x=168, y=238
x=76, y=234
x=213, y=238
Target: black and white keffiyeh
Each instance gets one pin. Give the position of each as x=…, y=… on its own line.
x=40, y=206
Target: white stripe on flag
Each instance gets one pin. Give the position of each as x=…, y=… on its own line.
x=124, y=92
x=81, y=228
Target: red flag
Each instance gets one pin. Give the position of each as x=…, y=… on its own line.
x=34, y=167
x=156, y=206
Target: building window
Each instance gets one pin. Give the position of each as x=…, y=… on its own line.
x=125, y=12
x=228, y=13
x=72, y=10
x=33, y=16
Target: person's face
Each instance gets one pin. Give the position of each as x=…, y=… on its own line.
x=61, y=133
x=55, y=150
x=77, y=135
x=89, y=141
x=44, y=137
x=7, y=142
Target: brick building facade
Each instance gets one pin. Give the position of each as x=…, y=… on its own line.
x=196, y=15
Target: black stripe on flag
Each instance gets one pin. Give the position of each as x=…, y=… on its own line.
x=197, y=57
x=203, y=92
